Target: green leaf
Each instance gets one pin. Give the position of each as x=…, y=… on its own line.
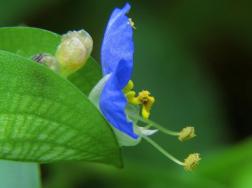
x=87, y=77
x=27, y=41
x=45, y=118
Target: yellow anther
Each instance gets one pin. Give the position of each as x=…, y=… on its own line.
x=144, y=97
x=130, y=94
x=131, y=97
x=192, y=161
x=145, y=113
x=186, y=134
x=132, y=24
x=128, y=87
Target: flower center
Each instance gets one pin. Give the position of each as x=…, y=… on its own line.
x=147, y=101
x=144, y=99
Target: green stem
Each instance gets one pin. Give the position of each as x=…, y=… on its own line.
x=162, y=150
x=19, y=175
x=159, y=127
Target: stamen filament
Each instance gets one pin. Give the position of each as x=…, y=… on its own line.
x=162, y=150
x=159, y=127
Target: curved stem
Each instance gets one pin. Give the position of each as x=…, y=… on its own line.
x=156, y=125
x=162, y=150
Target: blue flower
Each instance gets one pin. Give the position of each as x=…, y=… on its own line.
x=114, y=95
x=117, y=61
x=117, y=64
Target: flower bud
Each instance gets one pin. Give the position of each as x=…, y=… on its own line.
x=191, y=161
x=73, y=51
x=186, y=134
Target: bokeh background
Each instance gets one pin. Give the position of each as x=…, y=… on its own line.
x=195, y=57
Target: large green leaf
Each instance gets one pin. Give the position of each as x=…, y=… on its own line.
x=48, y=117
x=45, y=118
x=27, y=41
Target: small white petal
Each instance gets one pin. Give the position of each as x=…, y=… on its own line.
x=124, y=139
x=146, y=132
x=95, y=93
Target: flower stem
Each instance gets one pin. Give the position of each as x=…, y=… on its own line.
x=162, y=150
x=156, y=125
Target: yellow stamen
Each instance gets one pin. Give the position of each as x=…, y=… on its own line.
x=143, y=98
x=132, y=24
x=130, y=94
x=192, y=161
x=147, y=101
x=186, y=134
x=131, y=97
x=128, y=87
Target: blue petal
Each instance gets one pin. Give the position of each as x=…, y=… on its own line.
x=118, y=41
x=113, y=101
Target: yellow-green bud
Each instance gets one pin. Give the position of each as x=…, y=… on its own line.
x=73, y=51
x=191, y=161
x=186, y=134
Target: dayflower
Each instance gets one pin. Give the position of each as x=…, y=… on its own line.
x=114, y=96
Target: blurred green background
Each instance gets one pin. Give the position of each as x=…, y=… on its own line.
x=195, y=57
